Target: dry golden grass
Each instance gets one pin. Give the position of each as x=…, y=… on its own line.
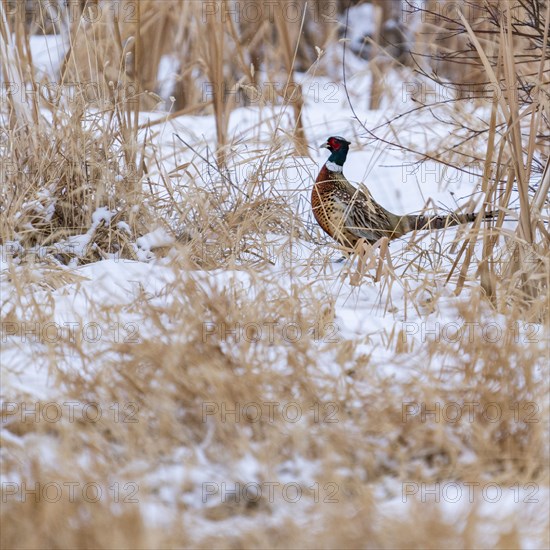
x=162, y=439
x=176, y=369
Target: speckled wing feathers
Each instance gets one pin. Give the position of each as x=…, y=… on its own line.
x=348, y=214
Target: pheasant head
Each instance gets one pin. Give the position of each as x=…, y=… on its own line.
x=339, y=147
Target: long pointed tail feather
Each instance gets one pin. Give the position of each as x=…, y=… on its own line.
x=440, y=222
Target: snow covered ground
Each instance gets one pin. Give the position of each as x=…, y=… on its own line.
x=358, y=341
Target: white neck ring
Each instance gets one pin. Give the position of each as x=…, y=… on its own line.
x=333, y=167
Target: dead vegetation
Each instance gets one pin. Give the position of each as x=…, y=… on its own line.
x=84, y=180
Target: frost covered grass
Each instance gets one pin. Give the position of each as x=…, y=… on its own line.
x=186, y=362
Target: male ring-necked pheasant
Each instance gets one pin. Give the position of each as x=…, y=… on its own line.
x=348, y=214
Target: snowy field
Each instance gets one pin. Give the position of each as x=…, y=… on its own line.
x=276, y=394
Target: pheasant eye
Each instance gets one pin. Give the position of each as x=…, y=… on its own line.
x=334, y=144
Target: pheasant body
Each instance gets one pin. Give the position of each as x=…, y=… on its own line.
x=349, y=214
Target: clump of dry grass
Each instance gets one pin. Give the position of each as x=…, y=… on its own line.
x=65, y=164
x=185, y=352
x=515, y=164
x=212, y=75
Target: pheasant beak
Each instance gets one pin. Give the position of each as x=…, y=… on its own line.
x=324, y=145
